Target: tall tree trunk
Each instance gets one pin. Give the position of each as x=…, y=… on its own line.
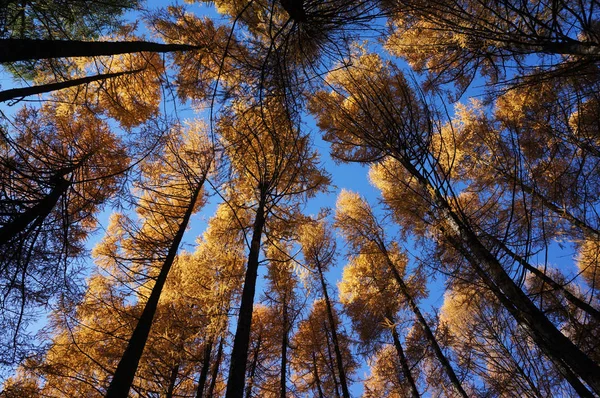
x=123, y=377
x=215, y=371
x=172, y=381
x=46, y=88
x=334, y=336
x=576, y=301
x=13, y=50
x=284, y=346
x=205, y=368
x=253, y=368
x=38, y=212
x=239, y=353
x=403, y=362
x=568, y=358
x=424, y=325
x=317, y=380
x=331, y=363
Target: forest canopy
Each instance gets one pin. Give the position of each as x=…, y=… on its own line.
x=172, y=222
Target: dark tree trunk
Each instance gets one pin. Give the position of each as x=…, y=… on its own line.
x=568, y=358
x=13, y=50
x=334, y=336
x=46, y=88
x=172, y=381
x=317, y=380
x=423, y=323
x=215, y=371
x=38, y=212
x=284, y=346
x=331, y=363
x=123, y=377
x=239, y=353
x=205, y=368
x=404, y=363
x=253, y=368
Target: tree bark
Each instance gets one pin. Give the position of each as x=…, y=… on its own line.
x=172, y=381
x=38, y=212
x=253, y=368
x=46, y=88
x=123, y=377
x=239, y=353
x=334, y=336
x=423, y=323
x=568, y=358
x=215, y=370
x=13, y=50
x=205, y=368
x=404, y=363
x=284, y=346
x=317, y=380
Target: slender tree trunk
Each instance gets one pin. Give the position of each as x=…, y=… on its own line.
x=123, y=377
x=331, y=363
x=317, y=380
x=215, y=370
x=561, y=211
x=404, y=363
x=13, y=50
x=284, y=346
x=576, y=301
x=172, y=381
x=334, y=336
x=46, y=88
x=239, y=353
x=253, y=368
x=423, y=323
x=569, y=359
x=38, y=212
x=205, y=368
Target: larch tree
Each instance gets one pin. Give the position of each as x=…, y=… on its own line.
x=274, y=171
x=369, y=243
x=316, y=354
x=58, y=170
x=319, y=250
x=171, y=192
x=373, y=114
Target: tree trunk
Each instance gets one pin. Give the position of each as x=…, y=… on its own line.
x=13, y=50
x=253, y=368
x=46, y=88
x=317, y=380
x=215, y=370
x=123, y=377
x=239, y=353
x=334, y=337
x=404, y=363
x=331, y=363
x=572, y=362
x=423, y=323
x=205, y=368
x=38, y=212
x=284, y=346
x=172, y=381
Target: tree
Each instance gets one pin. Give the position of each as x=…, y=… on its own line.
x=58, y=170
x=455, y=41
x=318, y=248
x=173, y=194
x=388, y=119
x=274, y=170
x=315, y=358
x=363, y=232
